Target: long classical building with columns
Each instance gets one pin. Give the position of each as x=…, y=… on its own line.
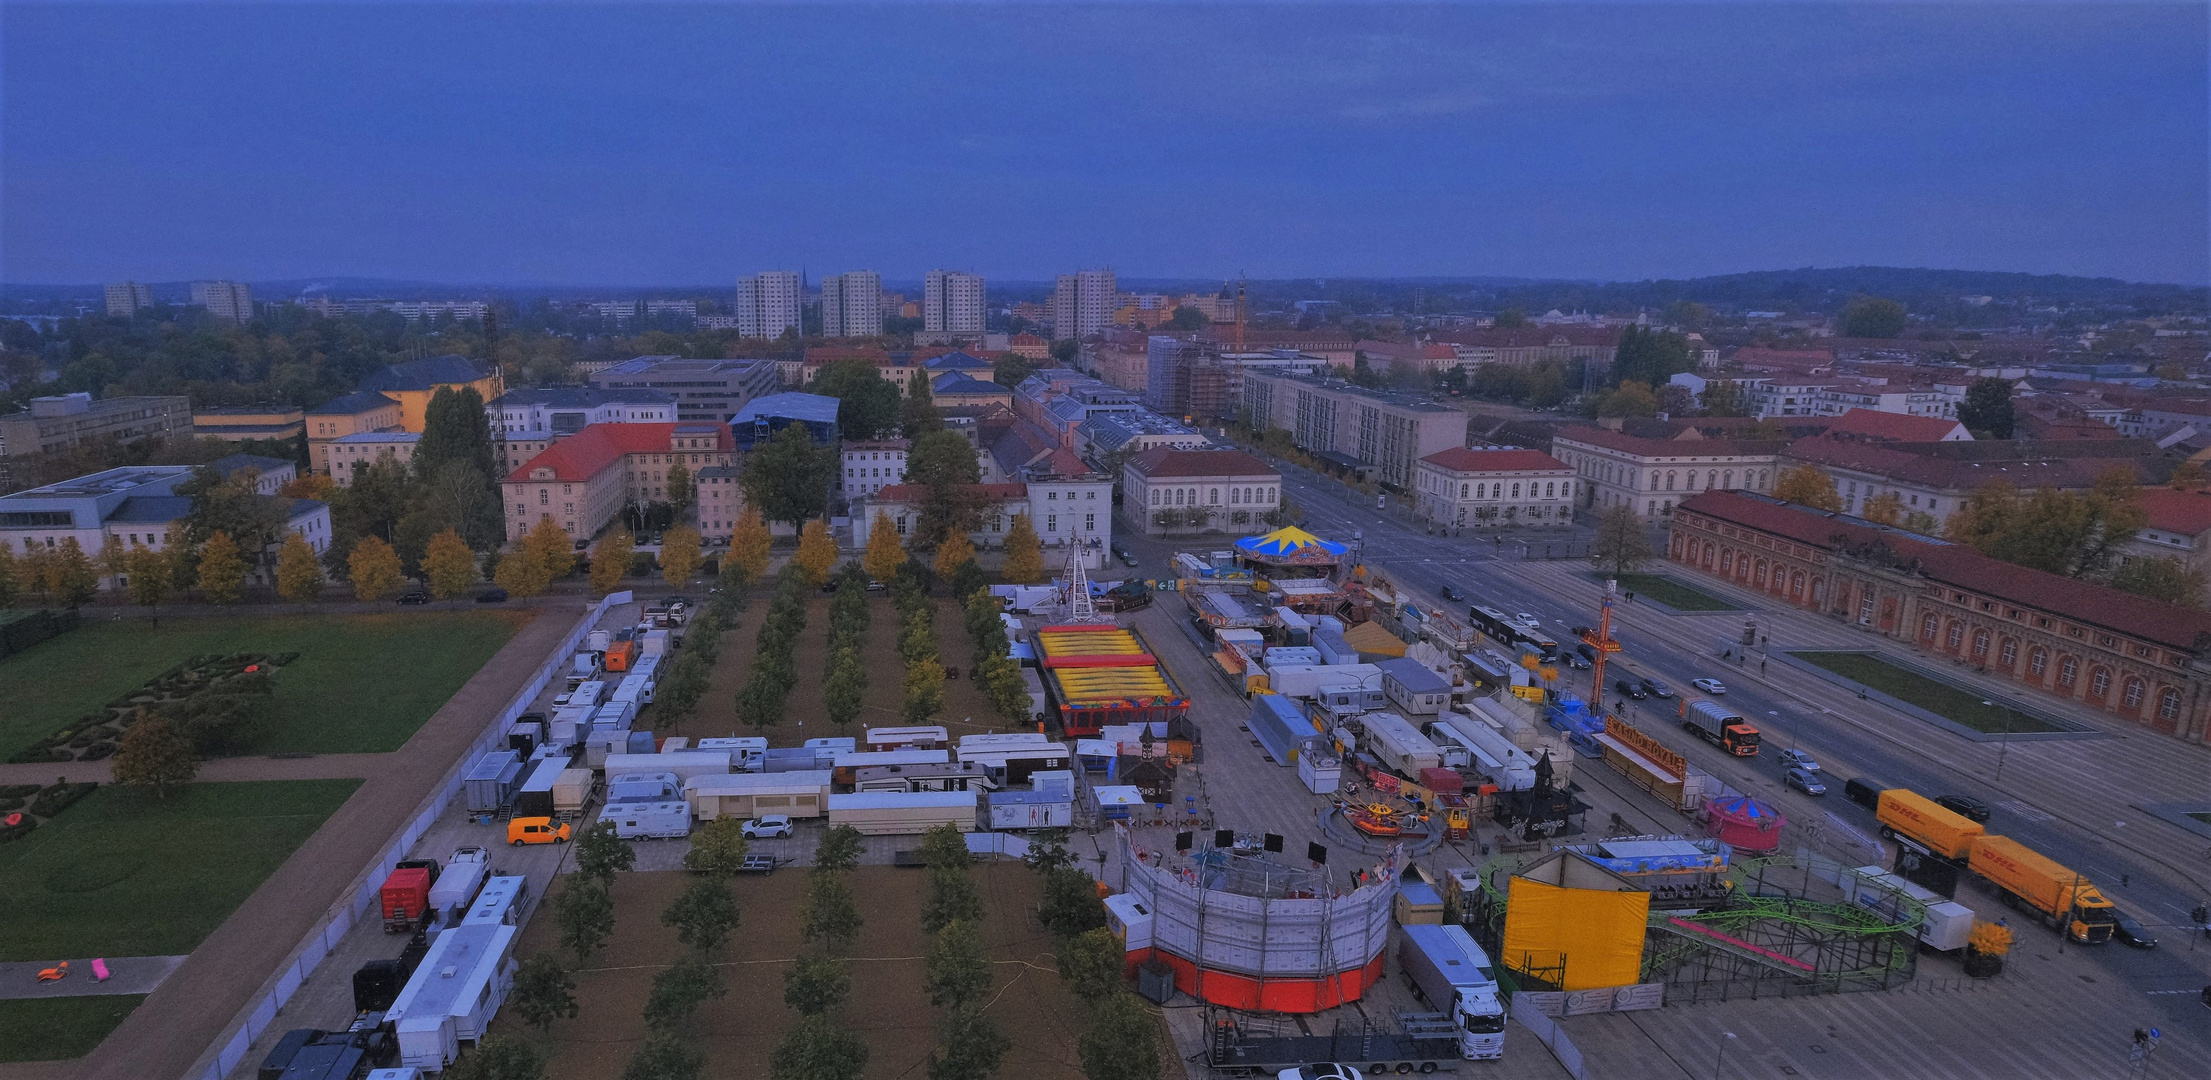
x=2144, y=661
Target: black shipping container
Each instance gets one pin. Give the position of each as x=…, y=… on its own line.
x=281, y=1055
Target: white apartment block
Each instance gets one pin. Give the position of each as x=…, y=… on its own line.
x=852, y=304
x=767, y=304
x=1651, y=476
x=952, y=303
x=124, y=298
x=227, y=300
x=1083, y=303
x=870, y=467
x=1490, y=489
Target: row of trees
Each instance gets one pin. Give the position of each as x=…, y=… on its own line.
x=997, y=674
x=818, y=984
x=1120, y=1038
x=761, y=699
x=956, y=972
x=844, y=688
x=917, y=644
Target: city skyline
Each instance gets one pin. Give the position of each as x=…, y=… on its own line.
x=1544, y=141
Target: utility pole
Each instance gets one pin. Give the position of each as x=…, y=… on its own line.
x=1601, y=644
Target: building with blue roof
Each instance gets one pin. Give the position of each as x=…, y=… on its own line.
x=761, y=418
x=957, y=388
x=134, y=504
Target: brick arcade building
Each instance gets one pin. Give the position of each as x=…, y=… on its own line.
x=2139, y=659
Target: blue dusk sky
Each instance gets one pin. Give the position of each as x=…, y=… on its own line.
x=693, y=143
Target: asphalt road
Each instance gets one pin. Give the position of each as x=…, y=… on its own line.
x=2153, y=881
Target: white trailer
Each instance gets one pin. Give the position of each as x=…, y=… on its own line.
x=569, y=725
x=843, y=744
x=746, y=752
x=654, y=643
x=1002, y=740
x=802, y=794
x=1306, y=680
x=847, y=765
x=505, y=899
x=923, y=737
x=643, y=787
x=660, y=819
x=1494, y=753
x=1394, y=742
x=1457, y=752
x=456, y=885
x=1031, y=810
x=591, y=694
x=893, y=813
x=453, y=994
x=490, y=783
x=684, y=763
x=1948, y=924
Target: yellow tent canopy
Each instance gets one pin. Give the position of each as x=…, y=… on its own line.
x=1372, y=639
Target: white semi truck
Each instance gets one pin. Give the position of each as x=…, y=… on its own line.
x=1453, y=974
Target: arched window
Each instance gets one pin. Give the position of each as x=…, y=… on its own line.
x=2168, y=704
x=2038, y=661
x=1980, y=644
x=1711, y=478
x=1727, y=560
x=1955, y=636
x=1730, y=478
x=2132, y=697
x=1550, y=491
x=1796, y=584
x=2068, y=672
x=2007, y=653
x=1669, y=480
x=1462, y=490
x=2099, y=681
x=1761, y=575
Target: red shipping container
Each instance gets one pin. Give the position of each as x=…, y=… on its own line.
x=1442, y=781
x=405, y=896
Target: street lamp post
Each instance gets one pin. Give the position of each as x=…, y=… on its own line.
x=1722, y=1059
x=2003, y=743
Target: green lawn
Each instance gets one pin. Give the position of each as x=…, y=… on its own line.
x=57, y=1029
x=122, y=874
x=1942, y=699
x=1672, y=593
x=362, y=683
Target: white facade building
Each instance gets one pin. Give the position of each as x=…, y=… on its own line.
x=1651, y=476
x=226, y=300
x=1167, y=490
x=1083, y=303
x=870, y=467
x=952, y=303
x=1491, y=489
x=767, y=304
x=852, y=304
x=124, y=298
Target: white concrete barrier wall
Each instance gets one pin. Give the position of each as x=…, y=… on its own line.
x=324, y=939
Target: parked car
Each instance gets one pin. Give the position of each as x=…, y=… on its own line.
x=875, y=586
x=536, y=830
x=493, y=595
x=1449, y=593
x=1657, y=689
x=2130, y=931
x=414, y=596
x=1122, y=554
x=1631, y=689
x=1798, y=759
x=1805, y=782
x=1327, y=1070
x=1965, y=806
x=1713, y=687
x=768, y=826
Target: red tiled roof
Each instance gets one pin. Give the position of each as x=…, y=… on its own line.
x=1462, y=459
x=1438, y=351
x=580, y=456
x=913, y=493
x=2062, y=474
x=1675, y=447
x=2184, y=512
x=2176, y=627
x=1166, y=462
x=1521, y=337
x=1897, y=426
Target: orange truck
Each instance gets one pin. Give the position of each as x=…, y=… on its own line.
x=1721, y=726
x=2061, y=897
x=1918, y=819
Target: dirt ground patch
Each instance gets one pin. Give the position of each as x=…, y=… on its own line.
x=888, y=1008
x=965, y=710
